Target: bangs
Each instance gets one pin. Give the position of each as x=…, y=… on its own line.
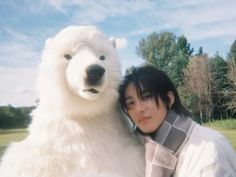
x=145, y=83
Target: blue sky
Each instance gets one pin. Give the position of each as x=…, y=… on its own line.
x=26, y=24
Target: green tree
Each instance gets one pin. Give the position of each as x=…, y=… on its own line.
x=189, y=100
x=183, y=46
x=231, y=59
x=200, y=51
x=219, y=85
x=180, y=60
x=157, y=49
x=166, y=52
x=175, y=68
x=11, y=117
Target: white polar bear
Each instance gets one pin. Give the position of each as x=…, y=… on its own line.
x=77, y=127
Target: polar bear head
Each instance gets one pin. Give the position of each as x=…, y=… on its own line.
x=79, y=72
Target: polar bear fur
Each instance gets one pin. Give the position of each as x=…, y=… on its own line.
x=77, y=128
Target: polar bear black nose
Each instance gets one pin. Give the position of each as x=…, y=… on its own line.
x=94, y=74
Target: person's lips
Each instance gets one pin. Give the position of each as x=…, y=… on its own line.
x=143, y=119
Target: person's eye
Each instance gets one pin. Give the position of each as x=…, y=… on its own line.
x=129, y=105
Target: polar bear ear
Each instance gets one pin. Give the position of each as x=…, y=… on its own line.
x=48, y=43
x=113, y=41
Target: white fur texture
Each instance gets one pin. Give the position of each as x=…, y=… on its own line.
x=75, y=132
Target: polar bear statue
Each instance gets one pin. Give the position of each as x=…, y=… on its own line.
x=77, y=127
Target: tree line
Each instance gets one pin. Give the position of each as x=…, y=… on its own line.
x=207, y=85
x=11, y=117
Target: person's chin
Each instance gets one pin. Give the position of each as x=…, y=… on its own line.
x=146, y=130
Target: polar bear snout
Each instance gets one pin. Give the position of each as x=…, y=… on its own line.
x=94, y=74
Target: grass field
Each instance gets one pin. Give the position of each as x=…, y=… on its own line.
x=227, y=127
x=9, y=135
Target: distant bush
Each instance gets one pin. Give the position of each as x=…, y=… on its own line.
x=11, y=117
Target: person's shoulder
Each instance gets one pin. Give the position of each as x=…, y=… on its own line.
x=209, y=140
x=206, y=148
x=204, y=133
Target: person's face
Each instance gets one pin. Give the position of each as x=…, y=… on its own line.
x=144, y=112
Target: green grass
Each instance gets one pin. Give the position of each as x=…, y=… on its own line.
x=9, y=135
x=227, y=128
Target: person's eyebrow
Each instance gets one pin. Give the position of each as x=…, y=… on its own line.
x=128, y=98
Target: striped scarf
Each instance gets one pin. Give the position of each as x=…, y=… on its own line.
x=161, y=151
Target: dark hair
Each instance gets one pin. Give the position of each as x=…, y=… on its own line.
x=156, y=82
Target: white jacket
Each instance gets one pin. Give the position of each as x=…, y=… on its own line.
x=207, y=153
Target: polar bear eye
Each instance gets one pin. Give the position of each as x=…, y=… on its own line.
x=102, y=57
x=67, y=56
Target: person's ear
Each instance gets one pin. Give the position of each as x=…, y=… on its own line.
x=171, y=97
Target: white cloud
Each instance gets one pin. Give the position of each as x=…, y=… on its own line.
x=92, y=11
x=185, y=17
x=18, y=50
x=210, y=20
x=121, y=43
x=203, y=22
x=55, y=3
x=220, y=30
x=209, y=13
x=23, y=90
x=18, y=86
x=142, y=31
x=190, y=3
x=18, y=54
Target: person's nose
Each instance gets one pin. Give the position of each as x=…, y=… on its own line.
x=140, y=107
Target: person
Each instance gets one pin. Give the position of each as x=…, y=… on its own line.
x=174, y=144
